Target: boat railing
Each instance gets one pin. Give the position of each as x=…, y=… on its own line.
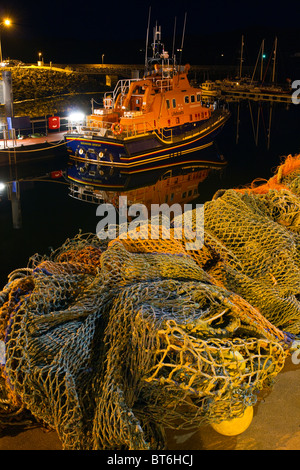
x=163, y=84
x=109, y=129
x=168, y=135
x=87, y=194
x=122, y=87
x=113, y=130
x=143, y=128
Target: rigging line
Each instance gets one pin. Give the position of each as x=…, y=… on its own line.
x=34, y=150
x=266, y=70
x=94, y=101
x=259, y=52
x=271, y=55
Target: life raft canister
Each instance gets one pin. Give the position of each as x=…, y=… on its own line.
x=116, y=128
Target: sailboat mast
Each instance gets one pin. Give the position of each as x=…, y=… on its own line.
x=274, y=59
x=241, y=59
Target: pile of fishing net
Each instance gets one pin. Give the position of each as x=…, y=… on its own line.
x=111, y=342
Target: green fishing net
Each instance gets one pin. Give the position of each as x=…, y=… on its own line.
x=110, y=343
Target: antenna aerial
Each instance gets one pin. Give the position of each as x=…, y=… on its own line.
x=147, y=38
x=183, y=33
x=173, y=50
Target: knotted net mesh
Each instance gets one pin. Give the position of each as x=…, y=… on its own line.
x=111, y=342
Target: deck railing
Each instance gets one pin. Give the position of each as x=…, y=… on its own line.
x=168, y=135
x=107, y=129
x=87, y=194
x=121, y=87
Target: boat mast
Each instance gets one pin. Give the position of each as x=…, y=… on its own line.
x=156, y=46
x=173, y=49
x=274, y=59
x=183, y=33
x=241, y=59
x=147, y=39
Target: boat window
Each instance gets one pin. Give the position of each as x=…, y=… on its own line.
x=192, y=98
x=198, y=97
x=191, y=117
x=174, y=103
x=168, y=104
x=186, y=99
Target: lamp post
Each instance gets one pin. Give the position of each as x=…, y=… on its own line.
x=5, y=22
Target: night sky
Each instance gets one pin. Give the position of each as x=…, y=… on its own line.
x=80, y=32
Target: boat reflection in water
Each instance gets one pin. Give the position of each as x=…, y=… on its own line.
x=173, y=184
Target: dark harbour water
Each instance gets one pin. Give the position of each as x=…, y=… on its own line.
x=50, y=215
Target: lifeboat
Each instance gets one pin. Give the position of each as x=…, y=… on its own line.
x=148, y=123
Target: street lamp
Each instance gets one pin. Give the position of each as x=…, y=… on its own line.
x=5, y=22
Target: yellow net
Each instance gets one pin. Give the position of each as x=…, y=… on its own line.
x=110, y=342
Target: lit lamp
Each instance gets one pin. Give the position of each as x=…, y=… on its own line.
x=76, y=119
x=40, y=59
x=5, y=22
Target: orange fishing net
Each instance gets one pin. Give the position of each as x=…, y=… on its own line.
x=259, y=186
